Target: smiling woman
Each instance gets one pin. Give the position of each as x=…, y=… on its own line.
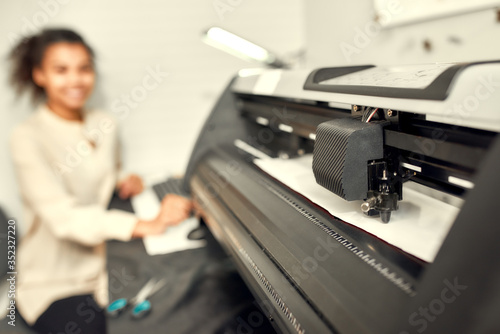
x=30, y=54
x=67, y=164
x=67, y=75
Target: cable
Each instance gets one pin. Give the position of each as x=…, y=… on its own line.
x=371, y=115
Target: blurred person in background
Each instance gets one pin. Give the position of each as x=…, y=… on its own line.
x=67, y=164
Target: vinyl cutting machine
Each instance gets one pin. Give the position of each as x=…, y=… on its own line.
x=359, y=199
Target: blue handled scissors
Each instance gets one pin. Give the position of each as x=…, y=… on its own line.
x=141, y=304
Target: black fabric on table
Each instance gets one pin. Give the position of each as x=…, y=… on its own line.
x=204, y=292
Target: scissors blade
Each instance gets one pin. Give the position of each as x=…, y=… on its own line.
x=144, y=292
x=157, y=287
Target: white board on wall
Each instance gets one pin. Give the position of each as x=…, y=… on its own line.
x=399, y=12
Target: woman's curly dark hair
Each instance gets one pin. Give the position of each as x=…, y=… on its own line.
x=28, y=54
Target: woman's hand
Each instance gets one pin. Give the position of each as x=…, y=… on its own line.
x=130, y=186
x=174, y=209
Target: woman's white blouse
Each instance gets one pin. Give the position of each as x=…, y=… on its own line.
x=65, y=184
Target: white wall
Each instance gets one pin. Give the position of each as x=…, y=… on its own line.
x=345, y=33
x=132, y=36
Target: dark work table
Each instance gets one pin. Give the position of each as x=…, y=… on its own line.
x=203, y=294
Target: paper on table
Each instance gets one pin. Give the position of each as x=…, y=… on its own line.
x=418, y=227
x=174, y=239
x=146, y=206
